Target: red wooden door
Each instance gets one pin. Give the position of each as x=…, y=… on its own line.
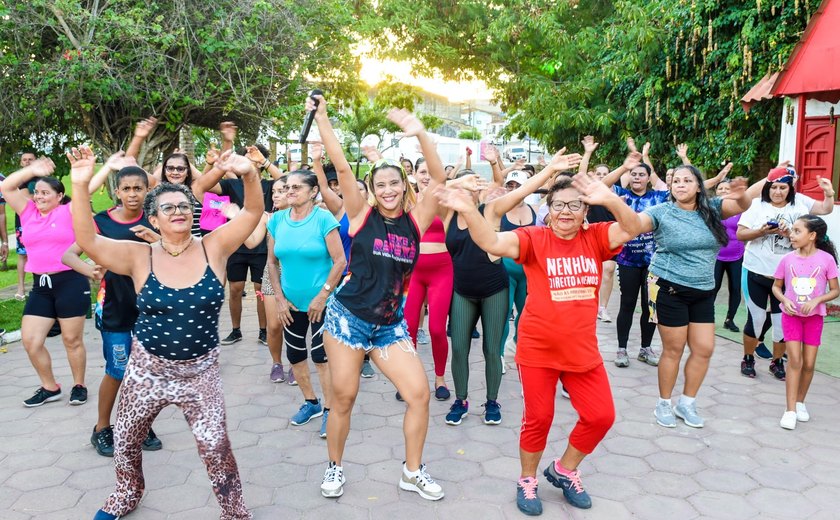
x=815, y=157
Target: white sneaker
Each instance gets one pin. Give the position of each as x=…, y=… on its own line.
x=788, y=421
x=421, y=483
x=802, y=414
x=603, y=316
x=333, y=484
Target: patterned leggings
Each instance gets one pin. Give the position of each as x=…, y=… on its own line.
x=151, y=383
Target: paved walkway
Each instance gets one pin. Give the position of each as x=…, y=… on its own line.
x=741, y=465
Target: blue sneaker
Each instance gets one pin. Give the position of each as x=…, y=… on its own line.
x=492, y=412
x=323, y=432
x=457, y=412
x=102, y=515
x=665, y=415
x=442, y=393
x=475, y=334
x=526, y=497
x=307, y=412
x=763, y=352
x=688, y=413
x=572, y=487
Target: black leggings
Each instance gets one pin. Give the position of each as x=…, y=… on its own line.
x=759, y=292
x=631, y=280
x=733, y=275
x=295, y=338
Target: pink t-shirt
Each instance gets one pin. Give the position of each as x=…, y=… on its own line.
x=47, y=237
x=806, y=277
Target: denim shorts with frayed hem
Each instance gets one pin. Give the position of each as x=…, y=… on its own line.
x=116, y=347
x=357, y=333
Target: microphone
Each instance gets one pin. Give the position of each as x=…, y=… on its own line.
x=310, y=116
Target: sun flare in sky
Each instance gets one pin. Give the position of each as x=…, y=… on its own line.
x=375, y=70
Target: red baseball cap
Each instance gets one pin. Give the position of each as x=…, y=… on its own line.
x=777, y=174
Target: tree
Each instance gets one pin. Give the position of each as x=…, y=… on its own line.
x=472, y=134
x=96, y=67
x=666, y=71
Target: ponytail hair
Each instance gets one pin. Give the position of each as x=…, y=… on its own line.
x=712, y=220
x=817, y=225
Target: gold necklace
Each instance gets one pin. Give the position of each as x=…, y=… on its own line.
x=178, y=253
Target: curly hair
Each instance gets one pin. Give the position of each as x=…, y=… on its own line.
x=150, y=203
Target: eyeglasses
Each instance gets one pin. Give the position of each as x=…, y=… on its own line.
x=184, y=208
x=179, y=169
x=294, y=187
x=573, y=205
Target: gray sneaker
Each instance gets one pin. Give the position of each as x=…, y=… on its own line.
x=422, y=483
x=367, y=370
x=647, y=355
x=688, y=413
x=621, y=358
x=665, y=415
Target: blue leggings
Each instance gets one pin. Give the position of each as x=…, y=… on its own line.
x=518, y=292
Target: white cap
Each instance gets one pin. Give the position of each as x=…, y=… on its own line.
x=517, y=176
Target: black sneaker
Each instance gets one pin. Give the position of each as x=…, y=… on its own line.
x=42, y=395
x=748, y=366
x=103, y=441
x=263, y=337
x=78, y=395
x=234, y=336
x=152, y=443
x=398, y=397
x=730, y=325
x=55, y=330
x=777, y=368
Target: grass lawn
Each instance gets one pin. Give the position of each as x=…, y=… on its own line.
x=10, y=313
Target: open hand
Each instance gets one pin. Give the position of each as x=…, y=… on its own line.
x=371, y=153
x=239, y=165
x=589, y=144
x=455, y=199
x=632, y=160
x=41, y=167
x=284, y=309
x=316, y=308
x=408, y=122
x=592, y=190
x=491, y=153
x=82, y=161
x=145, y=127
x=118, y=161
x=144, y=233
x=561, y=162
x=228, y=131
x=212, y=155
x=255, y=156
x=631, y=144
x=682, y=150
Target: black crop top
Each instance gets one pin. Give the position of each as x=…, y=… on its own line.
x=382, y=258
x=475, y=275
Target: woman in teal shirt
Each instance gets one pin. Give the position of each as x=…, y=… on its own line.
x=305, y=240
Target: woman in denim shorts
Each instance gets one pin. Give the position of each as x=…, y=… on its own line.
x=366, y=311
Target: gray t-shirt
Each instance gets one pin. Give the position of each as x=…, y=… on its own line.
x=686, y=249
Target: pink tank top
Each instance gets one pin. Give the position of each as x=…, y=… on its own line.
x=47, y=237
x=435, y=233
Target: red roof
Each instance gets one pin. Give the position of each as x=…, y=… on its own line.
x=760, y=91
x=814, y=66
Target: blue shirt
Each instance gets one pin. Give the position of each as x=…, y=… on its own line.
x=638, y=251
x=686, y=249
x=301, y=247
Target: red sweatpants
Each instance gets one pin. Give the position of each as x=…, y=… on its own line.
x=591, y=398
x=432, y=277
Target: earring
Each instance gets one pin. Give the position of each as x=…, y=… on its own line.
x=585, y=224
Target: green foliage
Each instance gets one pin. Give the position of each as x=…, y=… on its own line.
x=472, y=133
x=665, y=71
x=95, y=68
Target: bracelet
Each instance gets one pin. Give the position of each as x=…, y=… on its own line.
x=266, y=164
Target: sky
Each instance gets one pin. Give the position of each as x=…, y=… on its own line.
x=374, y=71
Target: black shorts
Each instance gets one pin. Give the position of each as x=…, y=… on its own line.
x=60, y=295
x=239, y=264
x=676, y=305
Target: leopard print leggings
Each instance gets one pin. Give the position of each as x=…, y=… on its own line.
x=151, y=383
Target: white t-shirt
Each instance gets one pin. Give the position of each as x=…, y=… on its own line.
x=763, y=254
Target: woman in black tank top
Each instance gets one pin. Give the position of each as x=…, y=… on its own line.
x=366, y=313
x=174, y=359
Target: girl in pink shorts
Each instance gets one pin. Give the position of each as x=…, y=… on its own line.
x=805, y=280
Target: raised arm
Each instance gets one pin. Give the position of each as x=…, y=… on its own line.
x=589, y=147
x=627, y=222
x=262, y=163
x=714, y=181
x=560, y=162
x=427, y=207
x=114, y=163
x=633, y=159
x=224, y=240
x=825, y=206
x=117, y=256
x=354, y=202
x=498, y=244
x=492, y=156
x=737, y=201
x=682, y=153
x=143, y=129
x=655, y=180
x=228, y=131
x=331, y=199
x=10, y=187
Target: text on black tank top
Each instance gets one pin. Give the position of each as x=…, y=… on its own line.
x=382, y=258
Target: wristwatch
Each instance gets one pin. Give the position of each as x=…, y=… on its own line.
x=327, y=287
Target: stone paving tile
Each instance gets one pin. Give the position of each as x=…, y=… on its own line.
x=741, y=465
